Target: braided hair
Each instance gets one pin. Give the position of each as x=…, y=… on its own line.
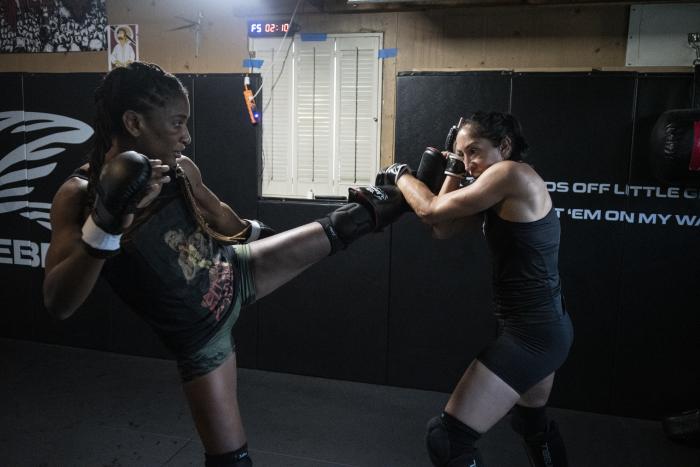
x=496, y=126
x=140, y=87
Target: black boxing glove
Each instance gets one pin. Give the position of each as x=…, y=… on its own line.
x=455, y=166
x=391, y=174
x=431, y=169
x=452, y=136
x=258, y=230
x=122, y=184
x=674, y=154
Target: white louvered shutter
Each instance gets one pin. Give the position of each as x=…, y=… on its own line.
x=357, y=87
x=277, y=112
x=320, y=115
x=314, y=116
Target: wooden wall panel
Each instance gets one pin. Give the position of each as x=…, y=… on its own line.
x=516, y=37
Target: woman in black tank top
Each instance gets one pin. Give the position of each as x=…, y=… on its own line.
x=516, y=370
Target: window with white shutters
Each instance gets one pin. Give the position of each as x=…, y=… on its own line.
x=320, y=118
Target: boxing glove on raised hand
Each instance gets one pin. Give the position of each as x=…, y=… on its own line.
x=452, y=136
x=455, y=166
x=122, y=184
x=431, y=169
x=391, y=174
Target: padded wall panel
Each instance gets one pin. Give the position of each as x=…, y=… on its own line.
x=331, y=320
x=579, y=127
x=398, y=307
x=428, y=104
x=440, y=297
x=68, y=96
x=226, y=144
x=440, y=310
x=16, y=314
x=657, y=354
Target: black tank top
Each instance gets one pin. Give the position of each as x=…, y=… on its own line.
x=525, y=265
x=177, y=277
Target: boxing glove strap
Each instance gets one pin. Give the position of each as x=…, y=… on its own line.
x=255, y=229
x=99, y=242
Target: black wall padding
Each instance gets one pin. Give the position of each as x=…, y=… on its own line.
x=438, y=306
x=579, y=127
x=658, y=345
x=13, y=322
x=439, y=292
x=226, y=148
x=399, y=307
x=64, y=95
x=331, y=320
x=428, y=104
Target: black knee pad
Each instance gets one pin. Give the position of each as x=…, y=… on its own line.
x=450, y=443
x=237, y=458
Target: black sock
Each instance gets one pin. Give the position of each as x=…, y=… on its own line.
x=336, y=243
x=462, y=437
x=237, y=458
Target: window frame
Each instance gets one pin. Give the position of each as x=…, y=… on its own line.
x=291, y=184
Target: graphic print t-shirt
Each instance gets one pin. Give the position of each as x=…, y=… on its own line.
x=175, y=275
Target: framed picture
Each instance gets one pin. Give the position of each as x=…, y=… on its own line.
x=122, y=44
x=52, y=26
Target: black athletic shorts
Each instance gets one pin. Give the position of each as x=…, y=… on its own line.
x=524, y=353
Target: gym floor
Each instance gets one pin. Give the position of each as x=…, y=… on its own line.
x=74, y=407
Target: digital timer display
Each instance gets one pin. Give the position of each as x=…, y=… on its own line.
x=270, y=28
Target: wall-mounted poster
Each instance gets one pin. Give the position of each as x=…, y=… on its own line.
x=52, y=25
x=123, y=46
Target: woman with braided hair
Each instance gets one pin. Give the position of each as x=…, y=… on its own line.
x=515, y=371
x=140, y=214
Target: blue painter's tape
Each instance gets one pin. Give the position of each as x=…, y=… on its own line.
x=388, y=53
x=318, y=37
x=250, y=63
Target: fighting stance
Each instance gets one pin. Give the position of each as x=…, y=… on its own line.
x=516, y=370
x=139, y=214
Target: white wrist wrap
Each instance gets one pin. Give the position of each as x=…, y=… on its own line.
x=98, y=238
x=255, y=230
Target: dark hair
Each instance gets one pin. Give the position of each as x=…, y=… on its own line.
x=496, y=126
x=138, y=86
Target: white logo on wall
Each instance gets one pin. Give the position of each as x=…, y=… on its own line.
x=26, y=165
